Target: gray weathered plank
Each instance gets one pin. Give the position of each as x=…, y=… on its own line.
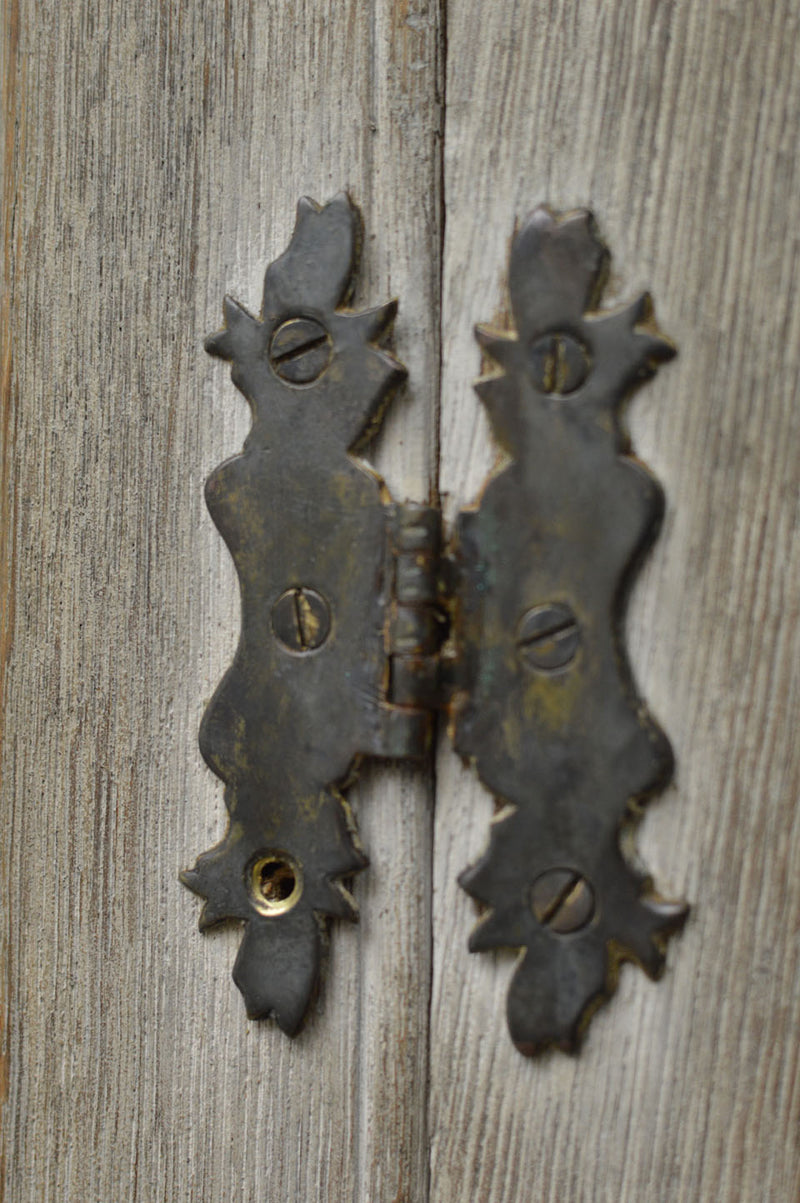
x=677, y=124
x=153, y=157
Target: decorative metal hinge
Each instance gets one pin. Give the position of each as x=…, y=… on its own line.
x=347, y=599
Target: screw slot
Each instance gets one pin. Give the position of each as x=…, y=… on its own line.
x=562, y=900
x=559, y=363
x=276, y=884
x=300, y=350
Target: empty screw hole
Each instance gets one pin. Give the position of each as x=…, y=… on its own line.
x=276, y=881
x=275, y=884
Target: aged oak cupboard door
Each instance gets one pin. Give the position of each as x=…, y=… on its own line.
x=152, y=158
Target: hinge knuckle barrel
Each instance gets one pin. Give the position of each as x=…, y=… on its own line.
x=417, y=621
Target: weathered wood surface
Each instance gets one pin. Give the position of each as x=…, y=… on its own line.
x=152, y=157
x=678, y=124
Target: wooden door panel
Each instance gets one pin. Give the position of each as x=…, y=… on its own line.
x=154, y=154
x=677, y=124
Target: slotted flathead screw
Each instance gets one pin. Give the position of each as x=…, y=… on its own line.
x=548, y=636
x=562, y=901
x=301, y=619
x=559, y=363
x=300, y=350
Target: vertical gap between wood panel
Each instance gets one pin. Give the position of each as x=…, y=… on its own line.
x=436, y=499
x=364, y=203
x=441, y=102
x=393, y=102
x=364, y=200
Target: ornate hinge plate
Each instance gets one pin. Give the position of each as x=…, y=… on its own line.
x=346, y=598
x=548, y=711
x=314, y=543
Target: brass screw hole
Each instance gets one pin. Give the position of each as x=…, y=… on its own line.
x=276, y=884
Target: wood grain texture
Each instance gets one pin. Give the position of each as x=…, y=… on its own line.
x=677, y=124
x=13, y=131
x=153, y=157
